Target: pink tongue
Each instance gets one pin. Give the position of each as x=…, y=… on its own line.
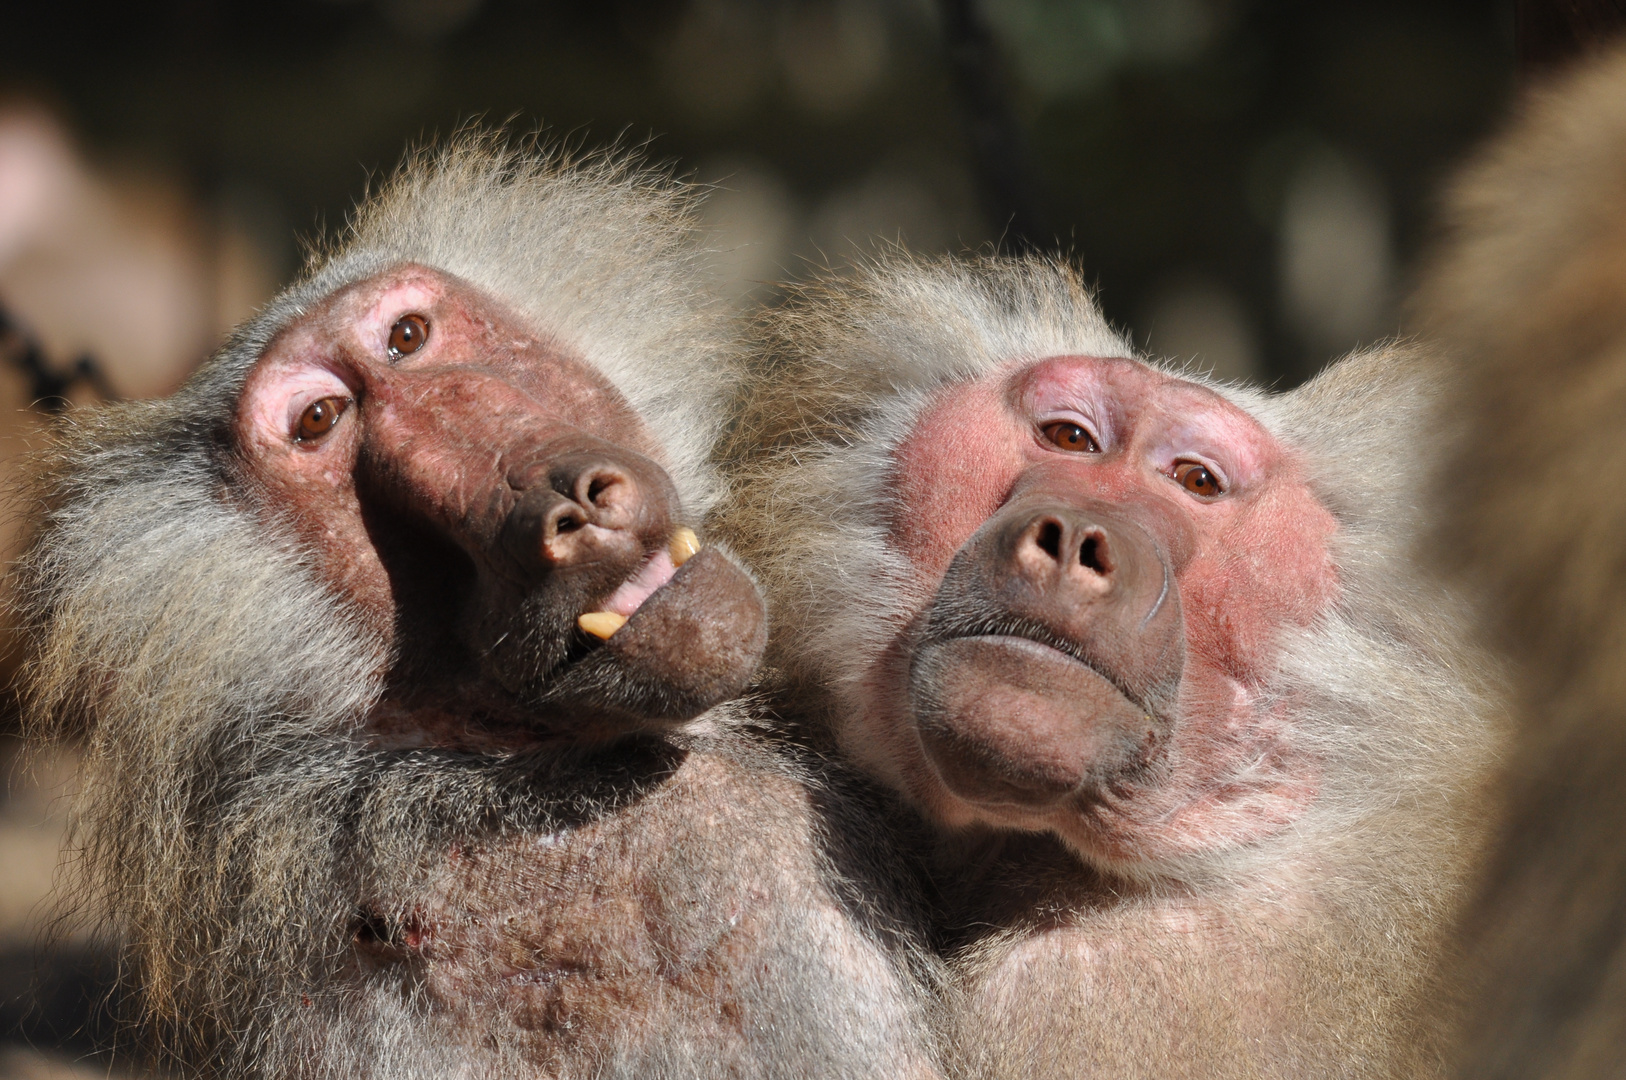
x=636, y=589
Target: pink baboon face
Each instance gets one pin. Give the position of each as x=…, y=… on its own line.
x=496, y=510
x=1111, y=555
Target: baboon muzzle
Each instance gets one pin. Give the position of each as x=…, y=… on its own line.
x=559, y=523
x=599, y=512
x=1051, y=656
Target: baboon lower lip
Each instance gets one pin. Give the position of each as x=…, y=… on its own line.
x=1007, y=720
x=691, y=644
x=1028, y=631
x=1065, y=654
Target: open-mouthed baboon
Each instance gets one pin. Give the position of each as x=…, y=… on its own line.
x=1203, y=753
x=401, y=669
x=1527, y=293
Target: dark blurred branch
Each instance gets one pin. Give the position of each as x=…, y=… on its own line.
x=48, y=386
x=1551, y=33
x=1003, y=161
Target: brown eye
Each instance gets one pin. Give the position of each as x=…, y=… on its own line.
x=1070, y=436
x=408, y=335
x=319, y=417
x=1196, y=479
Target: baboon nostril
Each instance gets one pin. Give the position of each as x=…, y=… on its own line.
x=565, y=518
x=1095, y=554
x=1049, y=539
x=606, y=490
x=1089, y=554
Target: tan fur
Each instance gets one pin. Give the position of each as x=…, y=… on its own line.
x=1303, y=955
x=236, y=818
x=1528, y=293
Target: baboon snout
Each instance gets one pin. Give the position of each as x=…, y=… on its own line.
x=1073, y=565
x=1066, y=551
x=1051, y=653
x=593, y=509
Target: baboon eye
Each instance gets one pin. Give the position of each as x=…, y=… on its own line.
x=1195, y=478
x=319, y=417
x=1071, y=436
x=408, y=335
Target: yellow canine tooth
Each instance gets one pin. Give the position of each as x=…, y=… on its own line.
x=684, y=544
x=601, y=624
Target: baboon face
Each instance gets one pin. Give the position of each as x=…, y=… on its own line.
x=495, y=511
x=1109, y=553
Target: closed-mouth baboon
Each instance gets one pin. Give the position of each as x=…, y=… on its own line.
x=402, y=664
x=1202, y=752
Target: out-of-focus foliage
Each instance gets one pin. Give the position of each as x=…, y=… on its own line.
x=1245, y=179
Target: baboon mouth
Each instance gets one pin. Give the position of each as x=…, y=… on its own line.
x=608, y=616
x=1008, y=720
x=630, y=596
x=656, y=571
x=674, y=641
x=1012, y=631
x=604, y=619
x=1065, y=659
x=693, y=639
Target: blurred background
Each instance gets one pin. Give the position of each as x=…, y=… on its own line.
x=1246, y=180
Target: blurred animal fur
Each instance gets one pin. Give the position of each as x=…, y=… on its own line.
x=1303, y=955
x=234, y=813
x=1527, y=292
